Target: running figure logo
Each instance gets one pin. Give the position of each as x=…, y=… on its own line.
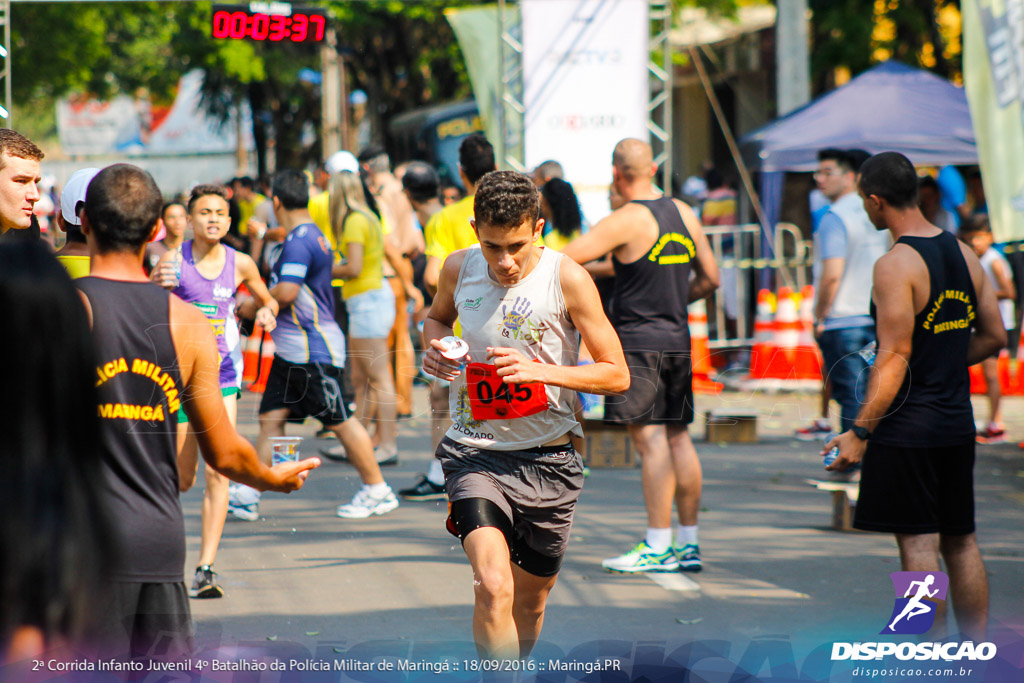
x=917, y=594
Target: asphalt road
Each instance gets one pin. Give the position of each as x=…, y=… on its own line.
x=779, y=585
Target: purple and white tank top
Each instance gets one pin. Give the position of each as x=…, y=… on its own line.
x=216, y=299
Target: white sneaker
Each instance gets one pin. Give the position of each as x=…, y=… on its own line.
x=364, y=504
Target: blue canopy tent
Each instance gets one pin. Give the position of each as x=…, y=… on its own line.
x=892, y=107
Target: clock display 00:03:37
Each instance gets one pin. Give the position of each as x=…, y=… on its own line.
x=297, y=27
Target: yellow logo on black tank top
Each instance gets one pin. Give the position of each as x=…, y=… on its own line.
x=108, y=371
x=671, y=259
x=947, y=297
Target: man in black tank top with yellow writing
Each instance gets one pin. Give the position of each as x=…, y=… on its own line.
x=935, y=314
x=655, y=242
x=156, y=355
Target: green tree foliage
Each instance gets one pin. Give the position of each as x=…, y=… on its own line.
x=264, y=74
x=101, y=48
x=856, y=34
x=403, y=55
x=401, y=52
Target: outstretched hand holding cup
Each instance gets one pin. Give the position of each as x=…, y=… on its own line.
x=285, y=459
x=290, y=476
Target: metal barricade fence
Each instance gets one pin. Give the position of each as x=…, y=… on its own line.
x=747, y=263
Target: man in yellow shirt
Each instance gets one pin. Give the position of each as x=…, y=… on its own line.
x=249, y=200
x=449, y=230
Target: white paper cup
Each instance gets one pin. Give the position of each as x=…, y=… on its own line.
x=455, y=349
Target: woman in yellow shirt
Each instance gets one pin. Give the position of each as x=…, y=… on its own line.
x=370, y=303
x=562, y=211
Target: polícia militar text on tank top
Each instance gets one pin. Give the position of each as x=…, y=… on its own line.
x=933, y=405
x=529, y=316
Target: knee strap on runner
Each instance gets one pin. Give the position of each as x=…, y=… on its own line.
x=532, y=562
x=471, y=514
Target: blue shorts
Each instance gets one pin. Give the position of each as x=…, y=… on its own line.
x=371, y=315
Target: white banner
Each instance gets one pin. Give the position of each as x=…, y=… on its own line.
x=134, y=126
x=585, y=88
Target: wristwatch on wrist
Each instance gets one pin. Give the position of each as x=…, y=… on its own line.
x=861, y=433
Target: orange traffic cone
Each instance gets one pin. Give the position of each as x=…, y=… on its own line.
x=1003, y=369
x=266, y=359
x=978, y=384
x=763, y=349
x=807, y=364
x=1017, y=383
x=251, y=355
x=787, y=337
x=700, y=351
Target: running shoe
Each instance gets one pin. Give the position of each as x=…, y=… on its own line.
x=385, y=457
x=643, y=559
x=243, y=502
x=326, y=434
x=818, y=429
x=689, y=558
x=364, y=504
x=204, y=585
x=991, y=434
x=424, y=489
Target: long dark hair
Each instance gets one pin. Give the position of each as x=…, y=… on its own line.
x=565, y=208
x=54, y=541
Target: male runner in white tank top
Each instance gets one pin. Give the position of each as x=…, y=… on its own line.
x=510, y=468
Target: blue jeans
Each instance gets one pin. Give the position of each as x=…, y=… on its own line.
x=845, y=368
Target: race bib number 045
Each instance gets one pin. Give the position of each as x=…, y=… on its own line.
x=491, y=398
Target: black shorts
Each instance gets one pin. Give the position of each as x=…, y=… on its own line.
x=917, y=490
x=660, y=390
x=150, y=620
x=529, y=495
x=317, y=390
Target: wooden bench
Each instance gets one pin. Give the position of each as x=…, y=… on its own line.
x=844, y=501
x=730, y=426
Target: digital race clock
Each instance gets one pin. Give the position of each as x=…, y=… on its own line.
x=269, y=21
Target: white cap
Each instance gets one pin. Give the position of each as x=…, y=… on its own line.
x=341, y=161
x=74, y=192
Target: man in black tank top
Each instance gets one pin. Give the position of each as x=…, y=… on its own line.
x=155, y=355
x=915, y=434
x=655, y=241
